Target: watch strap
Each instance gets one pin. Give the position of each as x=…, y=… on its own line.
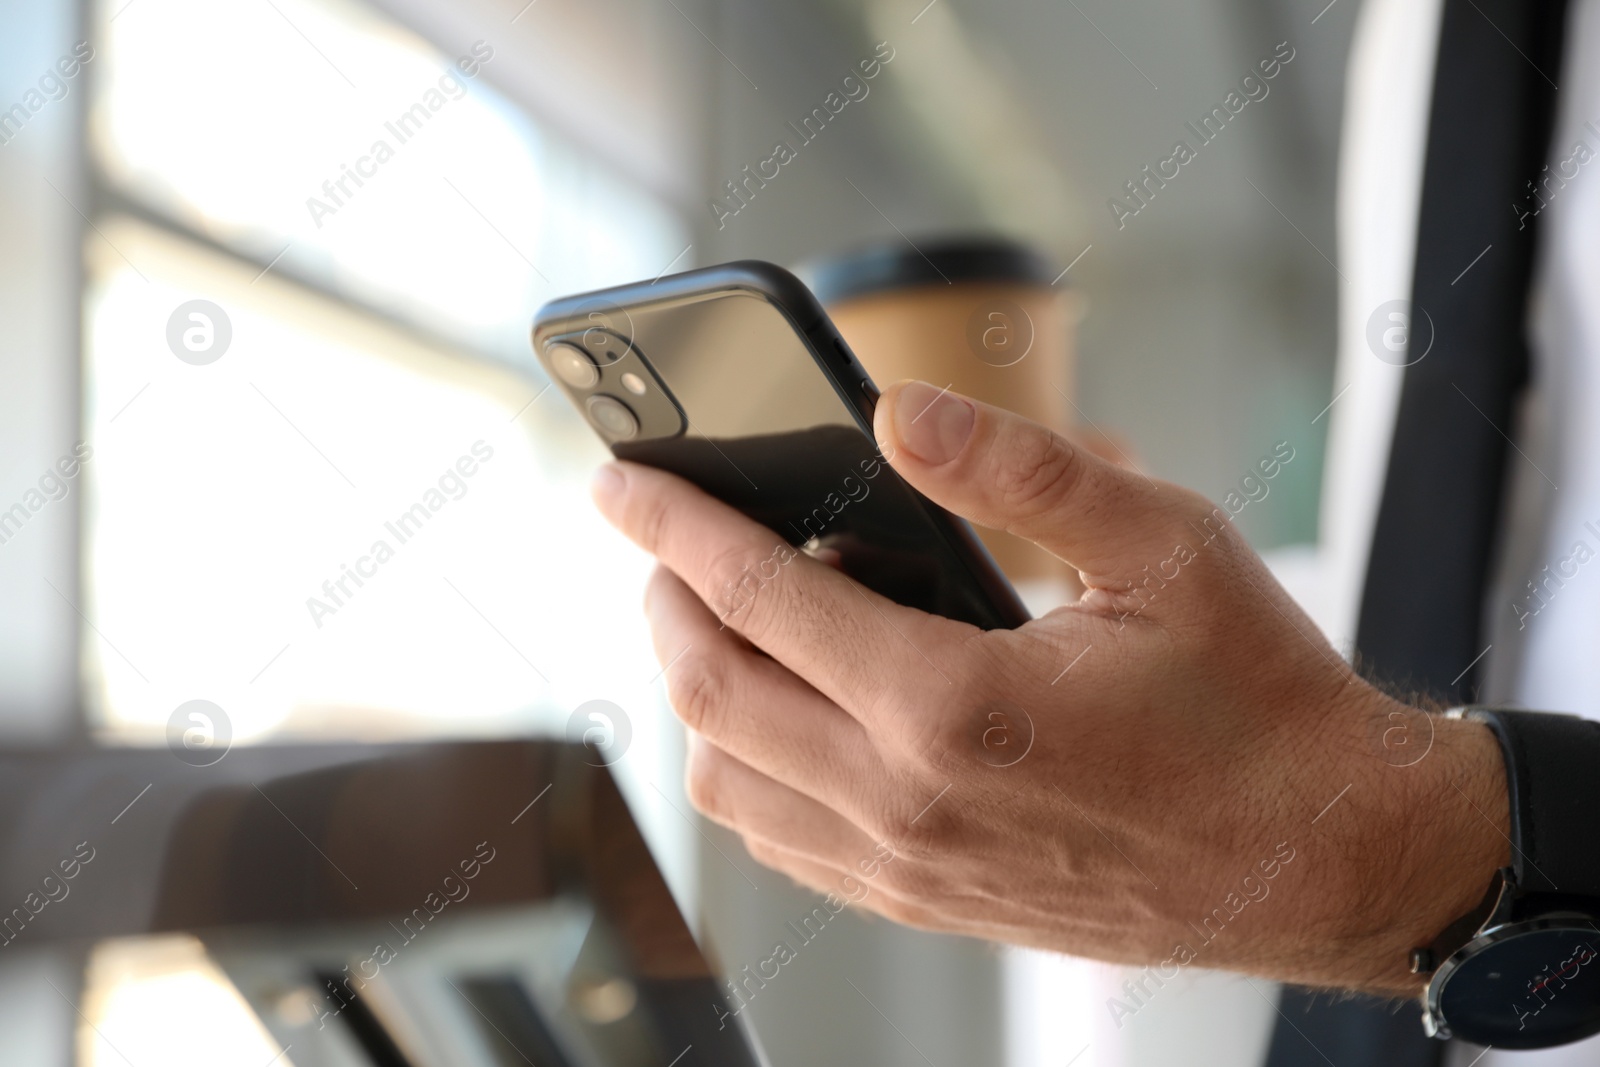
x=1553, y=778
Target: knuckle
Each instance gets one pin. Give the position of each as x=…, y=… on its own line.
x=751, y=593
x=731, y=581
x=660, y=579
x=939, y=736
x=915, y=820
x=895, y=879
x=935, y=746
x=652, y=520
x=882, y=820
x=699, y=687
x=1035, y=471
x=903, y=913
x=762, y=852
x=928, y=840
x=910, y=878
x=703, y=785
x=1208, y=547
x=1212, y=520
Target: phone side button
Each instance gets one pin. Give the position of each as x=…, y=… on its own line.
x=869, y=390
x=845, y=358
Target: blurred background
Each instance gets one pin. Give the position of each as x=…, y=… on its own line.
x=374, y=308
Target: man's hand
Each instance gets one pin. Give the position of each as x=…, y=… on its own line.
x=1175, y=768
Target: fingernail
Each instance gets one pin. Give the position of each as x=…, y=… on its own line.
x=933, y=424
x=606, y=486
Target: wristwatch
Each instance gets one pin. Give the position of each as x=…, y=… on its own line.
x=1522, y=969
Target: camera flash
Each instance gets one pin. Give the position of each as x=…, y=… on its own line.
x=633, y=383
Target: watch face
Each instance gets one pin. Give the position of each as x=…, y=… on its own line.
x=1530, y=985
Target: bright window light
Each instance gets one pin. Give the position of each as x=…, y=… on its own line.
x=228, y=499
x=231, y=507
x=162, y=1000
x=370, y=160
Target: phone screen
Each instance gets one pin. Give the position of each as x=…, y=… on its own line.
x=725, y=392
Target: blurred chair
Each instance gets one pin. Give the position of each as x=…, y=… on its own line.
x=473, y=904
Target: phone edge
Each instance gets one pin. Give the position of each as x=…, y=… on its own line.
x=834, y=357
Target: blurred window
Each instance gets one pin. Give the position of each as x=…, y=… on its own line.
x=333, y=498
x=319, y=135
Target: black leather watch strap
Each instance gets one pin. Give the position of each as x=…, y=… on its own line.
x=1553, y=776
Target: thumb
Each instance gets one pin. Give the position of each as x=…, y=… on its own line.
x=1005, y=472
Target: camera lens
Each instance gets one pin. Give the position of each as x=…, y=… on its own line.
x=613, y=417
x=573, y=366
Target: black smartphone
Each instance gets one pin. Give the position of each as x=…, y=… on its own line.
x=733, y=378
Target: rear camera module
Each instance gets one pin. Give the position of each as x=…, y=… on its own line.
x=613, y=417
x=573, y=366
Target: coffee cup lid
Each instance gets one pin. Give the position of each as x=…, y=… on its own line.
x=889, y=265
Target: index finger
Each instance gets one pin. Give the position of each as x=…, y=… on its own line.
x=847, y=641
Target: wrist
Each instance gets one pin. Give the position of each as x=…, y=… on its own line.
x=1446, y=818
